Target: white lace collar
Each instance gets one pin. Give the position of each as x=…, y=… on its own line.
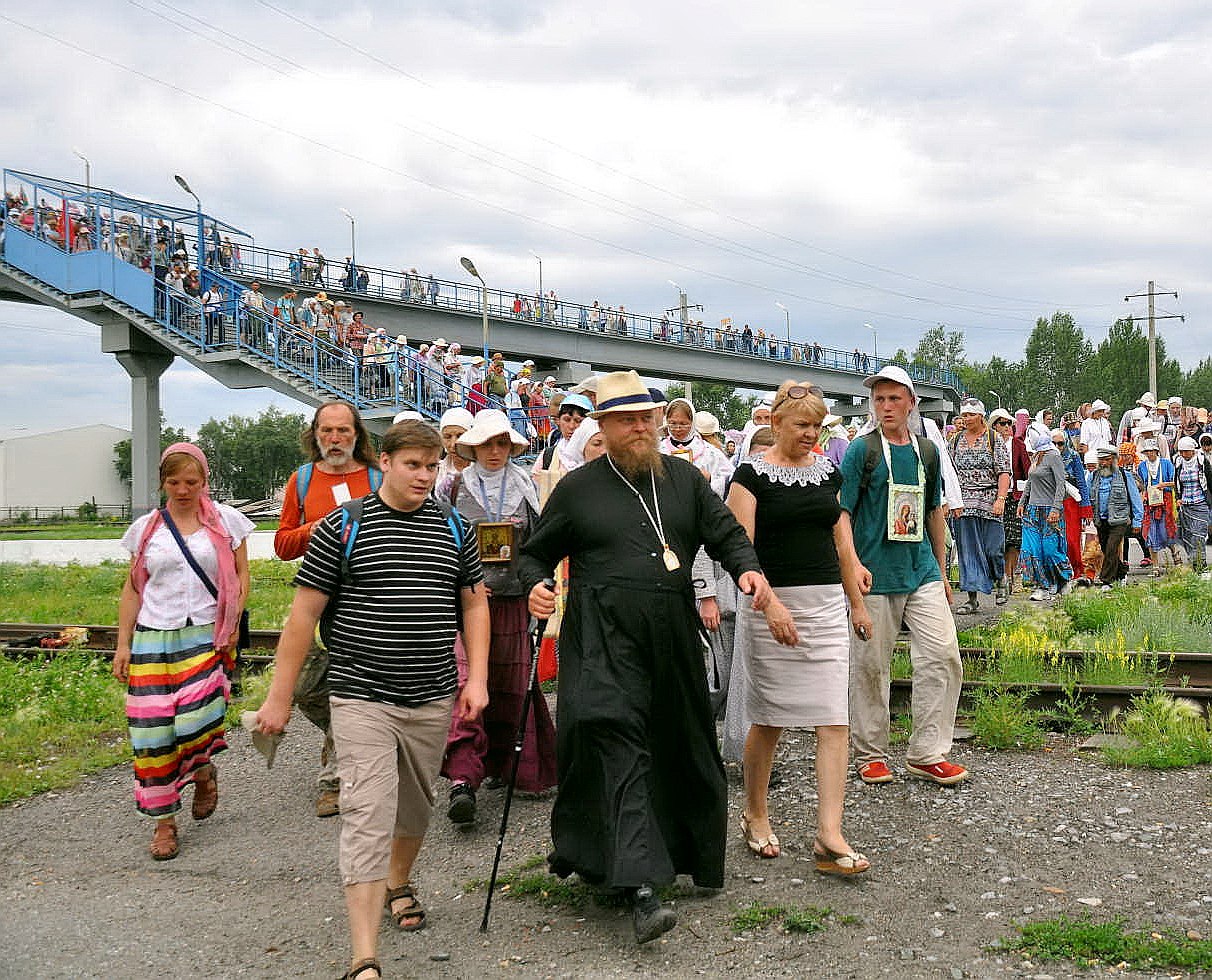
x=815, y=472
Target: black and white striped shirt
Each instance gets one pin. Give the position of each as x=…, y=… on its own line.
x=393, y=631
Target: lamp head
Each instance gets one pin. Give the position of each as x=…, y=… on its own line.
x=183, y=185
x=346, y=213
x=470, y=266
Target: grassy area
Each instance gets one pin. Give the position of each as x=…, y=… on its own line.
x=1164, y=732
x=40, y=593
x=59, y=719
x=803, y=919
x=526, y=881
x=1111, y=944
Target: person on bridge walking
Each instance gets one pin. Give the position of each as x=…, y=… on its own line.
x=341, y=467
x=178, y=622
x=642, y=795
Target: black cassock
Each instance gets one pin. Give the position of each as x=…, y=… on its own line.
x=642, y=795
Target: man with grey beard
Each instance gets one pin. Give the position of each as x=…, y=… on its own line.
x=1117, y=507
x=641, y=796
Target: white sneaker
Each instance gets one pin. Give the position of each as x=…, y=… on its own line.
x=1039, y=595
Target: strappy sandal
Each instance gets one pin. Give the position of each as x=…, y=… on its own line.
x=164, y=845
x=969, y=608
x=759, y=845
x=414, y=911
x=837, y=863
x=355, y=971
x=206, y=791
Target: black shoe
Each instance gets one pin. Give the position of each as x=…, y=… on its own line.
x=462, y=808
x=649, y=917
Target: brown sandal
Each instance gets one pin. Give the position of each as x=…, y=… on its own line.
x=829, y=862
x=164, y=841
x=355, y=971
x=414, y=911
x=206, y=791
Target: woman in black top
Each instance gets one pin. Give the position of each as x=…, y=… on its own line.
x=798, y=658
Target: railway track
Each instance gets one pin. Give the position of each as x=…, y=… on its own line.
x=1186, y=675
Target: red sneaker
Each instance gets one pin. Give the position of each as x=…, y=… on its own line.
x=1146, y=562
x=944, y=773
x=875, y=772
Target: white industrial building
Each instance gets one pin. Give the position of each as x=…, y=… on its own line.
x=64, y=468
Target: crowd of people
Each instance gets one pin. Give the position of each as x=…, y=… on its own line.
x=632, y=534
x=1053, y=500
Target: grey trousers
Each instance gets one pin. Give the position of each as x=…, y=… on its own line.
x=937, y=675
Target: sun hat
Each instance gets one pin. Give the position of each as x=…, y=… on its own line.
x=622, y=391
x=1138, y=413
x=1108, y=450
x=488, y=423
x=830, y=420
x=972, y=406
x=440, y=342
x=402, y=341
x=1186, y=442
x=1002, y=414
x=1091, y=456
x=575, y=400
x=589, y=384
x=706, y=424
x=1099, y=405
x=456, y=416
x=891, y=372
x=1176, y=399
x=1148, y=400
x=408, y=415
x=1042, y=444
x=1149, y=446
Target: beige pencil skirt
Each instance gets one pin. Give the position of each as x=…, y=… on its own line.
x=805, y=685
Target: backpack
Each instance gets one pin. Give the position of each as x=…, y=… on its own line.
x=303, y=481
x=929, y=450
x=351, y=522
x=497, y=385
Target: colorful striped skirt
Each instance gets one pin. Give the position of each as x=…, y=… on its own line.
x=176, y=701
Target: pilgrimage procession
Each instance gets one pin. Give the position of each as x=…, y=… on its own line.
x=540, y=489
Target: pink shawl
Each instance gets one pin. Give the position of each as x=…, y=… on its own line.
x=228, y=616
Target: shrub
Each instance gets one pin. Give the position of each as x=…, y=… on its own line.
x=1002, y=719
x=1166, y=733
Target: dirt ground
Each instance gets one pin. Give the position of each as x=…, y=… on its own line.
x=254, y=892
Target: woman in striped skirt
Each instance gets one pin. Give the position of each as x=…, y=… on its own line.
x=178, y=621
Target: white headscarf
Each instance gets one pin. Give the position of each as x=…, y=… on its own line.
x=577, y=443
x=486, y=486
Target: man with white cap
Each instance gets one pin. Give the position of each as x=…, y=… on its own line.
x=1096, y=430
x=1193, y=479
x=1173, y=427
x=892, y=496
x=1117, y=507
x=642, y=795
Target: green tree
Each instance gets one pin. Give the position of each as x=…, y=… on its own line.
x=901, y=357
x=1055, y=362
x=1120, y=368
x=940, y=347
x=251, y=458
x=1197, y=386
x=168, y=436
x=720, y=400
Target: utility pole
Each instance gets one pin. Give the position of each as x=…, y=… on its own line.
x=683, y=310
x=1153, y=317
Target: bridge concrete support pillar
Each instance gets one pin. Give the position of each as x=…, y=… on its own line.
x=571, y=372
x=144, y=360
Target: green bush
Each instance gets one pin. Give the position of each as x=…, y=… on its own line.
x=1002, y=719
x=1166, y=733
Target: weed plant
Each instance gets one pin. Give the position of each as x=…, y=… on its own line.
x=1165, y=733
x=1112, y=944
x=60, y=718
x=1071, y=713
x=1003, y=719
x=806, y=919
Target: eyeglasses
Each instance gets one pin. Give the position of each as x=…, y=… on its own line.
x=797, y=391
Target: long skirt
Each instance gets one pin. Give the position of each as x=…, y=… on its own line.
x=1043, y=559
x=642, y=795
x=484, y=747
x=1013, y=525
x=1158, y=529
x=176, y=700
x=981, y=544
x=1193, y=531
x=805, y=685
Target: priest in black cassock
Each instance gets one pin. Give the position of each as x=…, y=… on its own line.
x=642, y=795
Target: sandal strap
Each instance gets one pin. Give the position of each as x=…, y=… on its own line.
x=400, y=891
x=370, y=963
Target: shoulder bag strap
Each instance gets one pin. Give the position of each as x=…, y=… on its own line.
x=189, y=557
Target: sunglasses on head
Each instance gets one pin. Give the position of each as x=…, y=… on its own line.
x=798, y=391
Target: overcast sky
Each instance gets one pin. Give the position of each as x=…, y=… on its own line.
x=896, y=164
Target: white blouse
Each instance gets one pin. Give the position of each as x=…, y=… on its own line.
x=174, y=594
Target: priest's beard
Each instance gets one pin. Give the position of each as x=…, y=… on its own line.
x=1105, y=470
x=638, y=457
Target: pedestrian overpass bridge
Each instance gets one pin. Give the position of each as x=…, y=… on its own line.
x=100, y=255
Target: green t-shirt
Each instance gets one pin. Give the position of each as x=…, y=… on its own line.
x=897, y=567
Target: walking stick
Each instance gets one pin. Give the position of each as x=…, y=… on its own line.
x=537, y=627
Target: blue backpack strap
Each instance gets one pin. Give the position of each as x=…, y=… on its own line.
x=375, y=475
x=302, y=482
x=454, y=520
x=351, y=521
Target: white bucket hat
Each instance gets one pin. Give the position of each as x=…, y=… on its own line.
x=1100, y=406
x=488, y=423
x=706, y=424
x=456, y=416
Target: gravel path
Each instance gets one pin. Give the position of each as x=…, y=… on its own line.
x=255, y=893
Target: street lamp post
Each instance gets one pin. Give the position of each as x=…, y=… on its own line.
x=353, y=248
x=997, y=396
x=201, y=245
x=875, y=341
x=540, y=259
x=88, y=171
x=470, y=266
x=787, y=314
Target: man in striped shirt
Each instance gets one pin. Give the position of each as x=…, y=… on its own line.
x=392, y=675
